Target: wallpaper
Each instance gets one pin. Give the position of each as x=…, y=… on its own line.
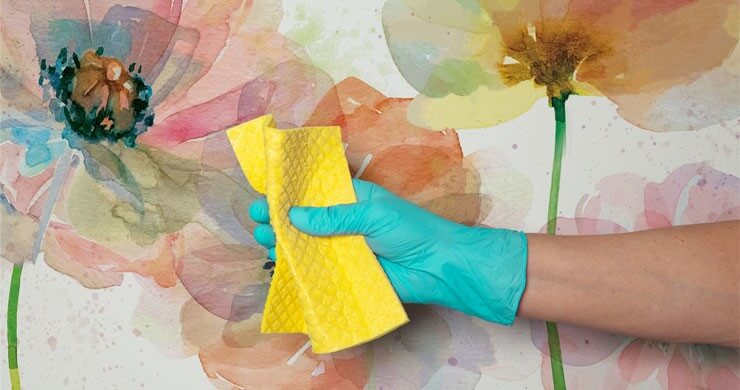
x=127, y=252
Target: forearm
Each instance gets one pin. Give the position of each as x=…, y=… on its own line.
x=676, y=284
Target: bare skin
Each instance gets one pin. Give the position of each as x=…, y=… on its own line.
x=678, y=284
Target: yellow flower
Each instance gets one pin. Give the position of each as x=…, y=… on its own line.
x=480, y=63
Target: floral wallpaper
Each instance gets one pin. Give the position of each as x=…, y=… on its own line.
x=127, y=253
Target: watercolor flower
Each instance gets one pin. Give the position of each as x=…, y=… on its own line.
x=382, y=147
x=101, y=94
x=480, y=63
x=691, y=194
x=95, y=181
x=108, y=68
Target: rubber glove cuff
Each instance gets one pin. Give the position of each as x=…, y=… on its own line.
x=496, y=262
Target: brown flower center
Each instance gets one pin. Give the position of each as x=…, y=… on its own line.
x=549, y=59
x=103, y=84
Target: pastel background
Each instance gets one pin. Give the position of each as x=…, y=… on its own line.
x=171, y=298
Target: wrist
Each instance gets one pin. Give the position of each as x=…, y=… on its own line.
x=497, y=268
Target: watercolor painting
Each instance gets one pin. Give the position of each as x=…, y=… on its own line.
x=127, y=252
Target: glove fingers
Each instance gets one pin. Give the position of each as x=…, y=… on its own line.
x=264, y=235
x=399, y=278
x=343, y=219
x=259, y=211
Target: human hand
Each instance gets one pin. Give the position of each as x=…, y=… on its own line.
x=429, y=260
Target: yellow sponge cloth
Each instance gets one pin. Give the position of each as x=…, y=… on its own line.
x=330, y=288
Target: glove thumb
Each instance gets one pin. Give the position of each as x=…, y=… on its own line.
x=343, y=219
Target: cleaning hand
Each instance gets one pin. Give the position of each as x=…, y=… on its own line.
x=429, y=260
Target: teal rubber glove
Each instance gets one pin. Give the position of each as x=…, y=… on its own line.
x=429, y=260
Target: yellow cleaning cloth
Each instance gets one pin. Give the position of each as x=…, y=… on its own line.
x=332, y=288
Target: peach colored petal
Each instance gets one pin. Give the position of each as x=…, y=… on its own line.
x=709, y=99
x=424, y=166
x=96, y=266
x=71, y=255
x=398, y=165
x=656, y=45
x=245, y=357
x=227, y=280
x=19, y=63
x=371, y=121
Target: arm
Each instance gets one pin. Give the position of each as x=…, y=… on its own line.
x=675, y=284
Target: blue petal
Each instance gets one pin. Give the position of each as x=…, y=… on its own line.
x=43, y=146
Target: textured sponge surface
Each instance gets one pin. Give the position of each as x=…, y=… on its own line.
x=330, y=288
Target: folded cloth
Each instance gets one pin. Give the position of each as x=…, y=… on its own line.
x=330, y=288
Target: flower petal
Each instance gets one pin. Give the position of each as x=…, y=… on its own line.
x=194, y=122
x=290, y=91
x=226, y=279
x=128, y=194
x=423, y=166
x=705, y=101
x=640, y=359
x=655, y=45
x=249, y=52
x=22, y=192
x=482, y=108
x=448, y=48
x=506, y=193
x=579, y=346
x=96, y=266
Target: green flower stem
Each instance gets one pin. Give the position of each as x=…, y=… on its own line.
x=553, y=340
x=15, y=286
x=67, y=159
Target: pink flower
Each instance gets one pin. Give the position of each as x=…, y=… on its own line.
x=691, y=194
x=209, y=68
